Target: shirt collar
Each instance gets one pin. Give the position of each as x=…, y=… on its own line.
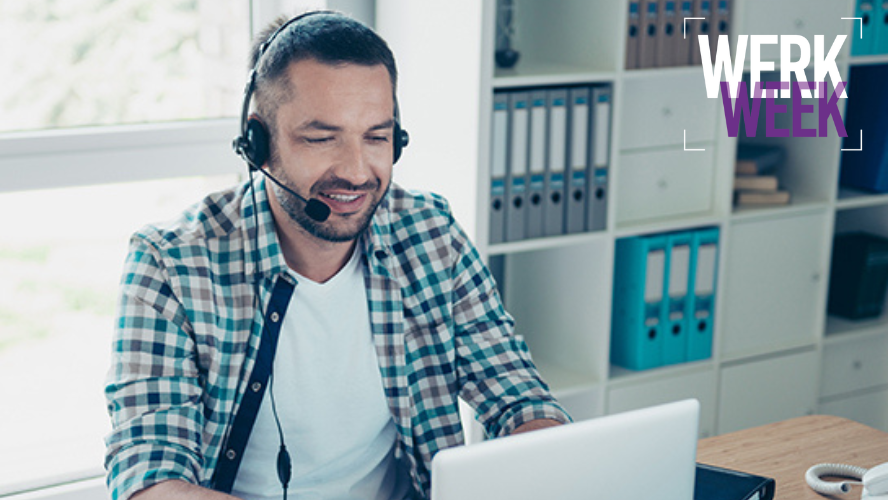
x=377, y=243
x=262, y=250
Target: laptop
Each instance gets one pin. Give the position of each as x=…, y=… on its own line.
x=638, y=455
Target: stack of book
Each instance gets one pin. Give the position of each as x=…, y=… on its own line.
x=755, y=176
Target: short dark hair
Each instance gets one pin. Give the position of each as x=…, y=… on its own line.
x=325, y=36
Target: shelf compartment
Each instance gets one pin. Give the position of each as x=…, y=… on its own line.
x=867, y=407
x=775, y=271
x=565, y=37
x=810, y=166
x=664, y=183
x=669, y=110
x=793, y=17
x=854, y=366
x=561, y=299
x=691, y=380
x=872, y=220
x=767, y=390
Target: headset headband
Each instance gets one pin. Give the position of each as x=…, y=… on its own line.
x=253, y=143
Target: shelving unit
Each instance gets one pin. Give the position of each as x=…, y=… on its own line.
x=773, y=344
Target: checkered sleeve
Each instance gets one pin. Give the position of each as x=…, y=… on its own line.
x=497, y=376
x=152, y=391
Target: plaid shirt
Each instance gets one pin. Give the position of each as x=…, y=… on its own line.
x=188, y=332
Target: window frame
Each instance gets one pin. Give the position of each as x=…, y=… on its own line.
x=123, y=153
x=69, y=157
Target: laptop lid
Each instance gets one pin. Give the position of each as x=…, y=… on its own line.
x=638, y=455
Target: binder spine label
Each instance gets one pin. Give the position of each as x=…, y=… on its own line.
x=601, y=176
x=578, y=178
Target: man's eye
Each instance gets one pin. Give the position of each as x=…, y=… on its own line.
x=378, y=138
x=318, y=140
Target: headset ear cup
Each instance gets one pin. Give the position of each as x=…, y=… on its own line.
x=258, y=145
x=400, y=139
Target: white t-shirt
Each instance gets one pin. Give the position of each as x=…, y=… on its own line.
x=330, y=401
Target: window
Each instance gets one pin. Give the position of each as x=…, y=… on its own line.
x=116, y=113
x=57, y=305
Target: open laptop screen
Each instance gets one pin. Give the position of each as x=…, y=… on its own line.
x=638, y=455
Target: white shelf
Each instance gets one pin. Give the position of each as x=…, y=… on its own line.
x=864, y=60
x=660, y=72
x=620, y=377
x=548, y=74
x=852, y=198
x=546, y=243
x=560, y=379
x=747, y=214
x=774, y=351
x=667, y=224
x=841, y=330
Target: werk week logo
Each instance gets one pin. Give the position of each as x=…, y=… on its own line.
x=740, y=99
x=737, y=98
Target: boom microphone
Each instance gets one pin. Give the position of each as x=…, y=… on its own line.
x=314, y=208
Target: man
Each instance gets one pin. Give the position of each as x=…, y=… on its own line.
x=254, y=334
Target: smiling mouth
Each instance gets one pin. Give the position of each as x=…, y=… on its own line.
x=342, y=198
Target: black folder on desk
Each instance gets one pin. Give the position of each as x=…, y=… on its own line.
x=716, y=483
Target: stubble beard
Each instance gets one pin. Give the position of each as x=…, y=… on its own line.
x=355, y=224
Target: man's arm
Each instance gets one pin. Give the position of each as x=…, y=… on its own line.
x=496, y=374
x=176, y=489
x=534, y=425
x=153, y=390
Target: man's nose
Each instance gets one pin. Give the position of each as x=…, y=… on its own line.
x=353, y=162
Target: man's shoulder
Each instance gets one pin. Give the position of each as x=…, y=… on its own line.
x=216, y=216
x=421, y=221
x=411, y=206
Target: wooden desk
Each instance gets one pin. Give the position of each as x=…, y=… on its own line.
x=785, y=450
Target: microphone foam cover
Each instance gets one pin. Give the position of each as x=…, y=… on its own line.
x=317, y=210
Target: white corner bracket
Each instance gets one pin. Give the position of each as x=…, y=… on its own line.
x=861, y=24
x=684, y=26
x=861, y=144
x=686, y=143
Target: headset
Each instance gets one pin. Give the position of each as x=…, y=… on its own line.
x=254, y=142
x=254, y=146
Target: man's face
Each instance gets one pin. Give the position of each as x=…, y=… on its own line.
x=333, y=142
